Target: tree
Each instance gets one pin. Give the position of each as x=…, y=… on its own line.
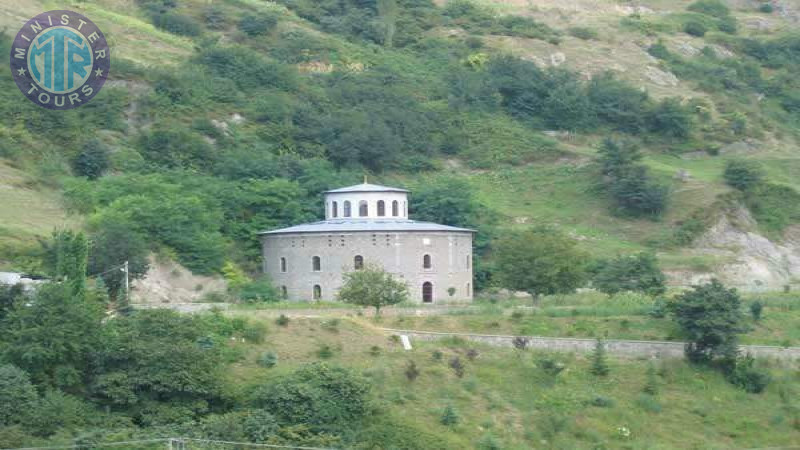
x=599, y=363
x=256, y=25
x=635, y=193
x=637, y=273
x=755, y=310
x=449, y=201
x=450, y=416
x=711, y=318
x=65, y=258
x=319, y=395
x=372, y=286
x=540, y=262
x=17, y=394
x=92, y=161
x=113, y=242
x=8, y=295
x=617, y=155
x=651, y=385
x=743, y=175
x=54, y=336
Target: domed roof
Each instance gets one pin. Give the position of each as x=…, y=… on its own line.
x=366, y=187
x=382, y=225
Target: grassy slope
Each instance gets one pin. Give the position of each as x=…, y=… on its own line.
x=505, y=395
x=554, y=191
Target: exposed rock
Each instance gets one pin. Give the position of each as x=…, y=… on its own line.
x=752, y=261
x=757, y=23
x=687, y=49
x=682, y=175
x=630, y=10
x=169, y=282
x=557, y=58
x=660, y=77
x=236, y=119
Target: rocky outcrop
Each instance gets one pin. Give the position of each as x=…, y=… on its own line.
x=749, y=260
x=169, y=282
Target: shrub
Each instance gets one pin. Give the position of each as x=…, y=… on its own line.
x=755, y=310
x=177, y=24
x=256, y=25
x=651, y=385
x=551, y=366
x=325, y=351
x=745, y=375
x=457, y=366
x=318, y=394
x=714, y=8
x=450, y=416
x=437, y=355
x=268, y=360
x=517, y=315
x=258, y=291
x=472, y=354
x=214, y=17
x=743, y=175
x=520, y=342
x=638, y=273
x=583, y=33
x=695, y=28
x=255, y=332
x=766, y=8
x=374, y=350
x=282, y=320
x=599, y=363
x=649, y=403
x=659, y=50
x=92, y=161
x=602, y=402
x=411, y=372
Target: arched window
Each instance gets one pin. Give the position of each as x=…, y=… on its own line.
x=283, y=264
x=426, y=262
x=317, y=292
x=335, y=209
x=381, y=208
x=394, y=208
x=347, y=208
x=316, y=264
x=363, y=209
x=427, y=292
x=284, y=293
x=358, y=262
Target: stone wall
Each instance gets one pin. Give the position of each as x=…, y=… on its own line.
x=659, y=349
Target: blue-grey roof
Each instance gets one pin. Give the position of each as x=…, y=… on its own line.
x=377, y=225
x=366, y=187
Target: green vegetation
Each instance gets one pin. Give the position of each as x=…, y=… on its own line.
x=638, y=273
x=372, y=287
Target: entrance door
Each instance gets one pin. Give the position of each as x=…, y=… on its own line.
x=427, y=292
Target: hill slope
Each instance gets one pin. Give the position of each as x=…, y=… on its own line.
x=202, y=101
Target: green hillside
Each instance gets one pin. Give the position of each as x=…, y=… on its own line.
x=239, y=113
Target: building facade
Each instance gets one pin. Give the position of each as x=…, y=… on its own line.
x=368, y=224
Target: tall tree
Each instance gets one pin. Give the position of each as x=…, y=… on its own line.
x=540, y=262
x=65, y=257
x=636, y=273
x=710, y=315
x=113, y=242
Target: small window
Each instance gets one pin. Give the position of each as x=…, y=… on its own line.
x=317, y=292
x=427, y=292
x=381, y=208
x=283, y=265
x=395, y=209
x=469, y=260
x=363, y=209
x=468, y=286
x=426, y=262
x=316, y=264
x=335, y=209
x=347, y=208
x=405, y=210
x=358, y=262
x=284, y=293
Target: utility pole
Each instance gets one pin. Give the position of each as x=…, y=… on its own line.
x=127, y=284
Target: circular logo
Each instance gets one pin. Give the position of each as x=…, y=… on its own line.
x=60, y=59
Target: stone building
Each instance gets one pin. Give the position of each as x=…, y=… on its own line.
x=368, y=224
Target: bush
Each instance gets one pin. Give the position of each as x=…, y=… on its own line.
x=745, y=375
x=583, y=33
x=766, y=8
x=258, y=291
x=450, y=416
x=755, y=310
x=92, y=161
x=317, y=394
x=282, y=320
x=177, y=23
x=649, y=403
x=268, y=360
x=214, y=17
x=651, y=385
x=659, y=50
x=599, y=363
x=255, y=332
x=714, y=8
x=602, y=402
x=638, y=273
x=256, y=25
x=743, y=175
x=325, y=351
x=457, y=366
x=411, y=372
x=695, y=28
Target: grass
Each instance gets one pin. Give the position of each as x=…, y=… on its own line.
x=505, y=396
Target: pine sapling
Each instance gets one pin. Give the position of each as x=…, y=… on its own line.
x=599, y=364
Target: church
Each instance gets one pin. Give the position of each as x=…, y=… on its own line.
x=368, y=224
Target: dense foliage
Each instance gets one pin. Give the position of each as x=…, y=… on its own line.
x=372, y=287
x=636, y=273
